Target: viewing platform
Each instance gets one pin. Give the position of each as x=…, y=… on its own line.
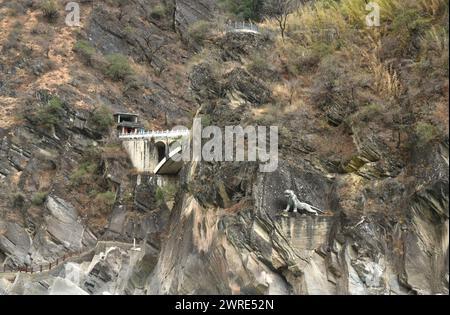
x=244, y=27
x=127, y=123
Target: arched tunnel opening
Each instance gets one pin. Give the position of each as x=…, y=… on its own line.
x=161, y=148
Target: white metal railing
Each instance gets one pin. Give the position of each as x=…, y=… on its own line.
x=242, y=27
x=156, y=134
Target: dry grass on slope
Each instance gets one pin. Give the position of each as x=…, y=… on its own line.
x=393, y=77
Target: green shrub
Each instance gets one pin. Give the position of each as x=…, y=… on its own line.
x=118, y=67
x=354, y=12
x=426, y=133
x=434, y=54
x=108, y=198
x=322, y=49
x=132, y=82
x=102, y=119
x=303, y=59
x=92, y=193
x=51, y=113
x=158, y=11
x=259, y=67
x=39, y=198
x=104, y=201
x=199, y=32
x=49, y=10
x=84, y=174
x=406, y=28
x=206, y=120
x=159, y=195
x=244, y=9
x=85, y=50
x=130, y=30
x=369, y=112
x=165, y=193
x=18, y=200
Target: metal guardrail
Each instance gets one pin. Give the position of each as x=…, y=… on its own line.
x=44, y=267
x=242, y=27
x=156, y=134
x=34, y=269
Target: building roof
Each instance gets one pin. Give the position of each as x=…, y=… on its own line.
x=126, y=114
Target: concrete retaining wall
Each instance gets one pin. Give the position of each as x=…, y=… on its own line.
x=143, y=154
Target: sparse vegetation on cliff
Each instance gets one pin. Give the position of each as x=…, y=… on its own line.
x=104, y=201
x=102, y=119
x=49, y=10
x=165, y=193
x=352, y=67
x=244, y=9
x=118, y=67
x=426, y=133
x=199, y=32
x=84, y=174
x=39, y=198
x=158, y=11
x=18, y=200
x=86, y=51
x=50, y=114
x=362, y=119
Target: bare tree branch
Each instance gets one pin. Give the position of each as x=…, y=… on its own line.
x=280, y=11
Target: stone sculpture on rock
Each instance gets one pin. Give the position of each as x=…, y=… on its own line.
x=296, y=204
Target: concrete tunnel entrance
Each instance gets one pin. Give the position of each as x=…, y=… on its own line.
x=161, y=150
x=149, y=150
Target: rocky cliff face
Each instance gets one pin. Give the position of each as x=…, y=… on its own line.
x=59, y=166
x=230, y=238
x=385, y=227
x=188, y=12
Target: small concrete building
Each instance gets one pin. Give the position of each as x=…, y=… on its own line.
x=128, y=123
x=149, y=150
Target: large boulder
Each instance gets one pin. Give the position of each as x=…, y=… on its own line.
x=15, y=243
x=236, y=45
x=64, y=225
x=242, y=85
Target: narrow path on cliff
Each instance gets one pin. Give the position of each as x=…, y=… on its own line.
x=70, y=257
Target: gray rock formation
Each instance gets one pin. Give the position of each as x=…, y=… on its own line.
x=188, y=12
x=115, y=269
x=15, y=243
x=60, y=232
x=386, y=225
x=63, y=225
x=226, y=236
